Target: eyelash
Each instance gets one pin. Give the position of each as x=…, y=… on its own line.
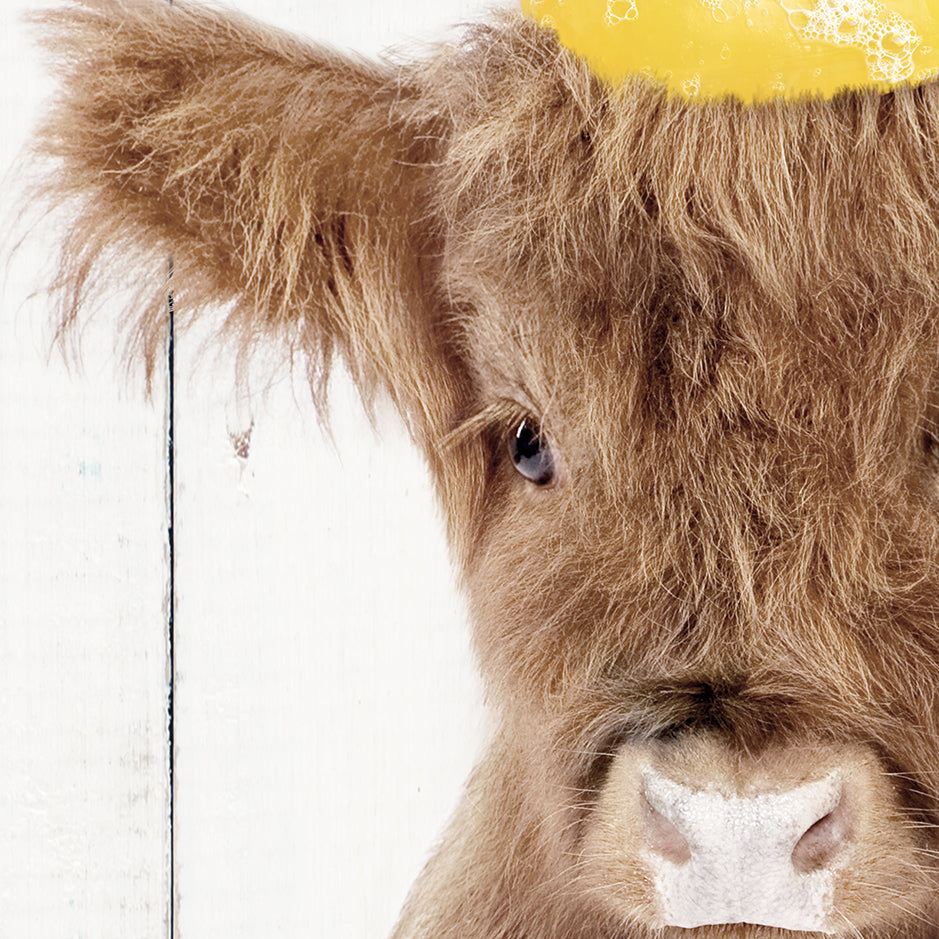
x=531, y=454
x=515, y=429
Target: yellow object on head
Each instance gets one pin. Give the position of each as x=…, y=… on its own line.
x=753, y=50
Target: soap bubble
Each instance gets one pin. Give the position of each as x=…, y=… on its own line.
x=722, y=10
x=619, y=10
x=887, y=40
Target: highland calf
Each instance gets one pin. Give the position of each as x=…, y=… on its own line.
x=675, y=370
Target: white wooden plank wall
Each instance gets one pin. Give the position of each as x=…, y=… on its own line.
x=326, y=708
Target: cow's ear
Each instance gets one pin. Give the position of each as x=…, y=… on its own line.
x=288, y=184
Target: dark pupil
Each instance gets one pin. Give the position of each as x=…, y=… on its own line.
x=530, y=453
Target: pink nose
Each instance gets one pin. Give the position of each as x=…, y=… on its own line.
x=695, y=833
x=766, y=858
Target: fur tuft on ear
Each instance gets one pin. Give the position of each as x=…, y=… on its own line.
x=288, y=184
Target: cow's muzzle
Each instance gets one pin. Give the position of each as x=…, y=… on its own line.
x=809, y=838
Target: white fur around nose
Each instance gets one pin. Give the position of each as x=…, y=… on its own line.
x=740, y=869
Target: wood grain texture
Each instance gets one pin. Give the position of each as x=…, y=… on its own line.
x=83, y=779
x=326, y=708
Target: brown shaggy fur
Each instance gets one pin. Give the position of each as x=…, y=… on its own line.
x=726, y=321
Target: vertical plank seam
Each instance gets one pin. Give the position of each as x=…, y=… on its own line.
x=171, y=600
x=171, y=617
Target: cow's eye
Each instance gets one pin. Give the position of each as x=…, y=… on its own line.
x=531, y=453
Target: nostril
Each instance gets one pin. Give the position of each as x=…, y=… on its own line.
x=824, y=839
x=662, y=837
x=746, y=845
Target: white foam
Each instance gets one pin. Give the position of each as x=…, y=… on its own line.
x=887, y=40
x=619, y=10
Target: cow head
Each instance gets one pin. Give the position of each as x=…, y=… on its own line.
x=675, y=370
